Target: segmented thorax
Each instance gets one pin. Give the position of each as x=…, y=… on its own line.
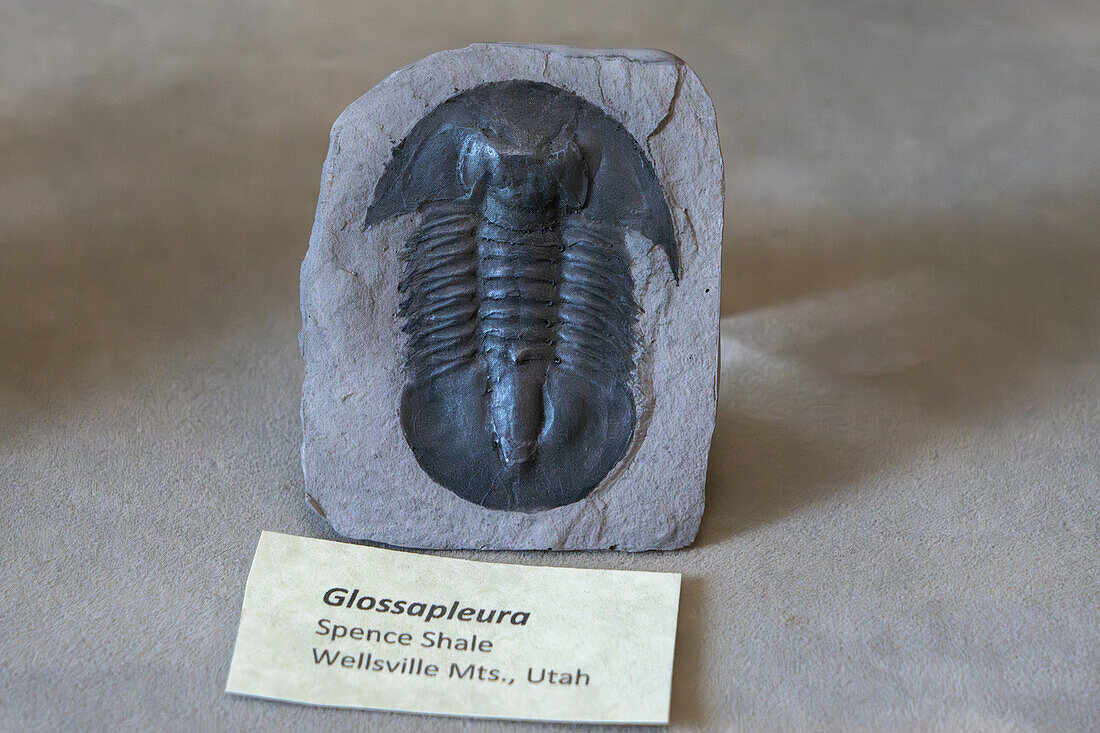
x=519, y=285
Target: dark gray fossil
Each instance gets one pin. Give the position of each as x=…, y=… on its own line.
x=518, y=298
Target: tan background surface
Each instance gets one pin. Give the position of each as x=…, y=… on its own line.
x=902, y=528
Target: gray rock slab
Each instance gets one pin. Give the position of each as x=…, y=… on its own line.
x=360, y=474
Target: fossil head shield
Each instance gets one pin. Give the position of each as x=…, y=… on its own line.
x=518, y=297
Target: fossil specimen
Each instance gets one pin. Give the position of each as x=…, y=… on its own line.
x=412, y=433
x=518, y=297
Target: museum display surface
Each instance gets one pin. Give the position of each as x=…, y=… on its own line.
x=901, y=526
x=510, y=303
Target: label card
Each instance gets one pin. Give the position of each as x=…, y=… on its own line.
x=331, y=623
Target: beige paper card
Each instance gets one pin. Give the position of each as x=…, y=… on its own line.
x=330, y=623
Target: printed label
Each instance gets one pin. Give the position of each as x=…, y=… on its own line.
x=331, y=623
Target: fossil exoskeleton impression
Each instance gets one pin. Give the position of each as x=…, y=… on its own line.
x=518, y=296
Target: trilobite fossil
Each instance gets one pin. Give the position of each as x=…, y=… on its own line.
x=518, y=297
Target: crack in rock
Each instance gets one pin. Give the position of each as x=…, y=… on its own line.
x=663, y=122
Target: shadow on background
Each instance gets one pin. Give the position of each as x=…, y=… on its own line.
x=689, y=667
x=146, y=224
x=835, y=336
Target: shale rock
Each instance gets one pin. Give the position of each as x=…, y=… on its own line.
x=361, y=473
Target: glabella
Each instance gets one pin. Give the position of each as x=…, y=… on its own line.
x=428, y=611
